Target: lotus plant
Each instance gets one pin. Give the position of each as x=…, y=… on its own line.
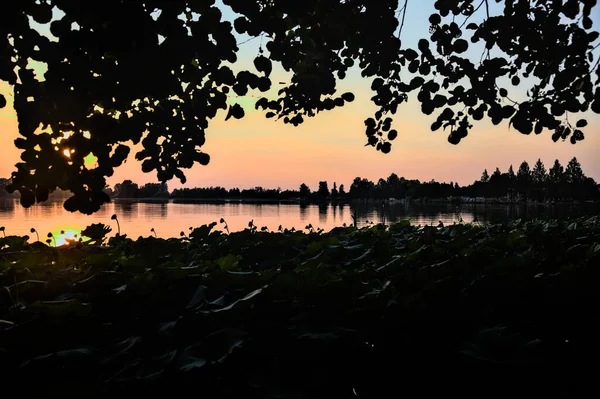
x=50, y=238
x=36, y=233
x=114, y=217
x=226, y=227
x=153, y=231
x=2, y=229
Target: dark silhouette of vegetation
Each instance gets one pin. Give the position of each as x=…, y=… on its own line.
x=344, y=314
x=156, y=73
x=539, y=184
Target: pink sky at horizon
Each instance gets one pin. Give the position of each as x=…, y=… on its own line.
x=256, y=151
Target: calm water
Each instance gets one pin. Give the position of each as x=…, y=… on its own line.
x=169, y=219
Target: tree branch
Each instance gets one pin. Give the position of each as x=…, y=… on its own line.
x=473, y=13
x=403, y=10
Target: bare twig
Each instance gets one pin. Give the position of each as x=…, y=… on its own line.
x=249, y=40
x=473, y=13
x=403, y=10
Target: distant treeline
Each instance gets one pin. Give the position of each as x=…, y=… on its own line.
x=537, y=184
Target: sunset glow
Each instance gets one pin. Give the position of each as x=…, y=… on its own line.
x=65, y=235
x=256, y=151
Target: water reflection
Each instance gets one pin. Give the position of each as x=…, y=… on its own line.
x=126, y=208
x=170, y=218
x=323, y=208
x=7, y=205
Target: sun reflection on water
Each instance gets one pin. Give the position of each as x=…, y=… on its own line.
x=64, y=236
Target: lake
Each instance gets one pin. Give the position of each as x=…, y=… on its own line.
x=169, y=219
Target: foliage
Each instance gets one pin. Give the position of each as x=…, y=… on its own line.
x=254, y=314
x=154, y=190
x=96, y=233
x=159, y=81
x=485, y=177
x=127, y=189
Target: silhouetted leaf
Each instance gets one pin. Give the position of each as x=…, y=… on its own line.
x=235, y=111
x=349, y=97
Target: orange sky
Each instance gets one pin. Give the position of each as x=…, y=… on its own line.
x=256, y=151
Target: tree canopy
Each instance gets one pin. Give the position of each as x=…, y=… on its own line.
x=157, y=72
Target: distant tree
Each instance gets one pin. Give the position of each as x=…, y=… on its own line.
x=574, y=173
x=381, y=189
x=3, y=184
x=556, y=173
x=556, y=180
x=539, y=178
x=323, y=191
x=109, y=191
x=126, y=189
x=575, y=178
x=497, y=184
x=511, y=174
x=539, y=175
x=334, y=192
x=342, y=192
x=524, y=178
x=304, y=191
x=484, y=176
x=234, y=193
x=154, y=190
x=395, y=186
x=361, y=188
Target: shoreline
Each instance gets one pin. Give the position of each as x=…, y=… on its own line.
x=414, y=201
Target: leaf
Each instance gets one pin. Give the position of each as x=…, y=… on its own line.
x=229, y=262
x=244, y=299
x=120, y=289
x=236, y=111
x=460, y=46
x=96, y=232
x=198, y=298
x=348, y=97
x=60, y=308
x=263, y=64
x=193, y=363
x=203, y=158
x=72, y=353
x=416, y=82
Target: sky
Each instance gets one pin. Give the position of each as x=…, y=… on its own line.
x=256, y=151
